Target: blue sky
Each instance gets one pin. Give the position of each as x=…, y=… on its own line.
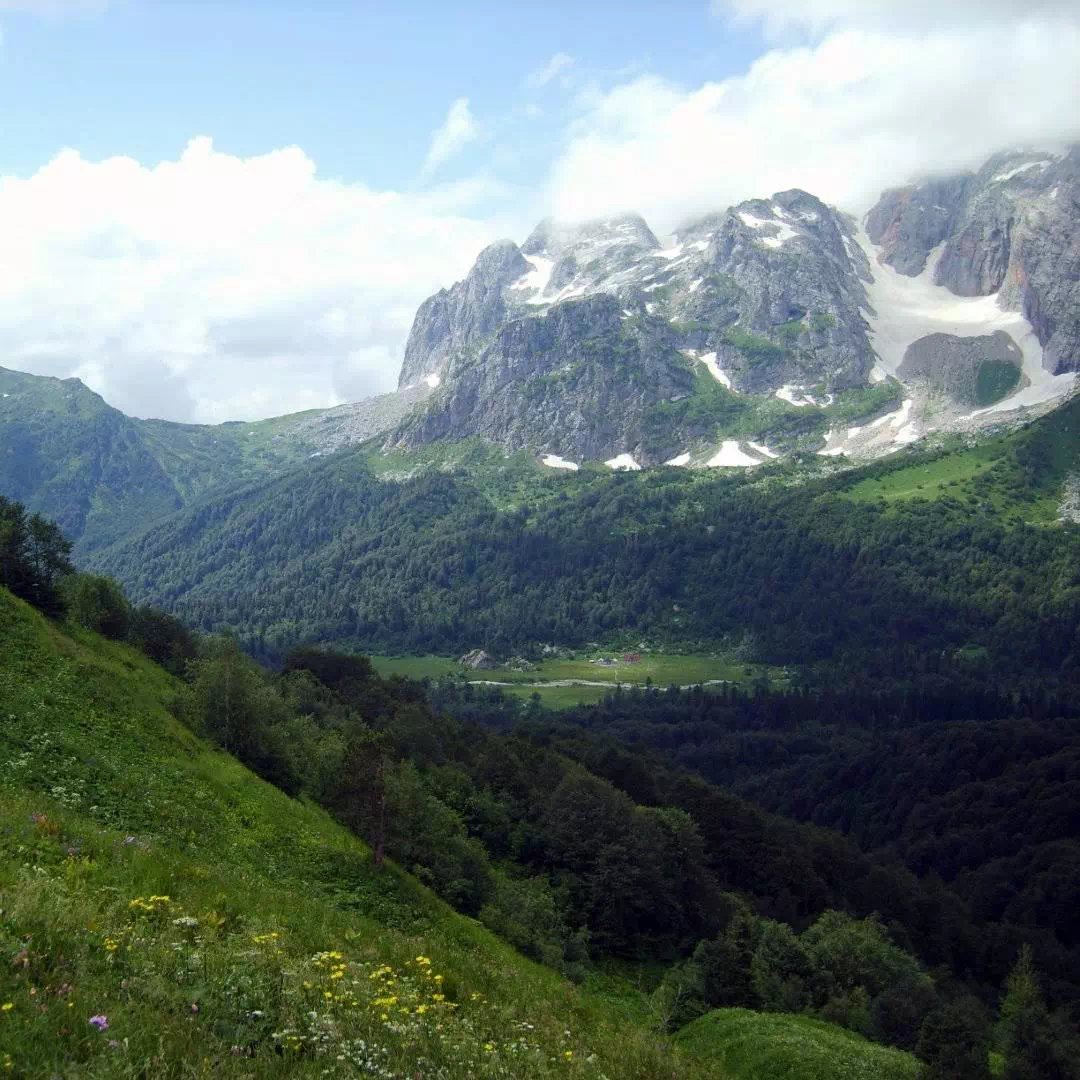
x=231, y=209
x=360, y=86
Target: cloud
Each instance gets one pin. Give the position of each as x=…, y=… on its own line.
x=863, y=108
x=779, y=16
x=456, y=132
x=539, y=78
x=216, y=287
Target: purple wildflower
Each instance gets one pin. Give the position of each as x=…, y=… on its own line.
x=100, y=1021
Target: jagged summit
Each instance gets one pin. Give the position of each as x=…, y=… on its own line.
x=777, y=321
x=556, y=238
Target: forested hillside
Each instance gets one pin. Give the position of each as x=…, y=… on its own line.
x=936, y=557
x=103, y=475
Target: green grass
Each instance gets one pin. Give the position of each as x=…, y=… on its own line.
x=149, y=878
x=746, y=1045
x=929, y=478
x=662, y=669
x=1018, y=474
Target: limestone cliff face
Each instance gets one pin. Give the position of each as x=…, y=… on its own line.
x=578, y=381
x=569, y=343
x=468, y=312
x=1012, y=228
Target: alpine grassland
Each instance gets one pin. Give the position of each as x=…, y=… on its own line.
x=165, y=913
x=747, y=1045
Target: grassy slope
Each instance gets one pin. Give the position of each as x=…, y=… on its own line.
x=1019, y=472
x=778, y=1046
x=108, y=805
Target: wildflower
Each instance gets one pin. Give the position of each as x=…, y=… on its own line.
x=438, y=997
x=100, y=1022
x=489, y=1047
x=421, y=1009
x=423, y=961
x=7, y=1006
x=186, y=922
x=111, y=944
x=568, y=1054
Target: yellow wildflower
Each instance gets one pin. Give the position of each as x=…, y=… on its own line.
x=489, y=1047
x=7, y=1006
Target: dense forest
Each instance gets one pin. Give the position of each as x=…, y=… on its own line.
x=811, y=570
x=585, y=850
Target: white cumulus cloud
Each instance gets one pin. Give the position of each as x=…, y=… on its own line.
x=864, y=106
x=779, y=16
x=215, y=287
x=453, y=135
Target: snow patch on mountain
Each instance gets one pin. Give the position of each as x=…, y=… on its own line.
x=553, y=461
x=731, y=455
x=535, y=280
x=710, y=361
x=624, y=463
x=904, y=309
x=797, y=396
x=1002, y=177
x=763, y=450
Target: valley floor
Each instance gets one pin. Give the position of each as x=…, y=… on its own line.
x=588, y=676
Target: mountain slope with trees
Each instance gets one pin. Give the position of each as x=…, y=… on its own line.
x=861, y=569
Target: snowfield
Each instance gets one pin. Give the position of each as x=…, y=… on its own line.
x=905, y=309
x=536, y=279
x=553, y=461
x=731, y=455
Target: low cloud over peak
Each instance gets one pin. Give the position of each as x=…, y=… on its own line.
x=863, y=107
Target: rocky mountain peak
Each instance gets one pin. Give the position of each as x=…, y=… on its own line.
x=556, y=239
x=455, y=318
x=594, y=340
x=1009, y=230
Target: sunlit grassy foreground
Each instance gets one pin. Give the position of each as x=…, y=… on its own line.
x=164, y=913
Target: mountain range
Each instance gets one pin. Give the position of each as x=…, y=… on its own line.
x=779, y=341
